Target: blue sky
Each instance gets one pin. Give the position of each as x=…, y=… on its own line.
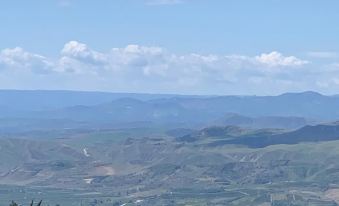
x=171, y=46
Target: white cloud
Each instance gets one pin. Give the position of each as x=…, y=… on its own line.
x=274, y=59
x=77, y=57
x=81, y=52
x=157, y=61
x=19, y=59
x=137, y=68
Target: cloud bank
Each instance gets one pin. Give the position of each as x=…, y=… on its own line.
x=137, y=68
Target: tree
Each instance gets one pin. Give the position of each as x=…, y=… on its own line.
x=13, y=204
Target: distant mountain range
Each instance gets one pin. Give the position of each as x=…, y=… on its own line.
x=290, y=110
x=232, y=135
x=289, y=122
x=37, y=100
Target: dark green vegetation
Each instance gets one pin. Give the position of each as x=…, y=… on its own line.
x=209, y=169
x=172, y=151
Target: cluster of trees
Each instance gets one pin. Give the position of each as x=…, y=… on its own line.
x=32, y=203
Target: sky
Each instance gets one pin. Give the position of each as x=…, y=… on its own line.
x=243, y=47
